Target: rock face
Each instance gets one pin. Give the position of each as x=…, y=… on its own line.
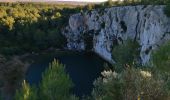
x=106, y=27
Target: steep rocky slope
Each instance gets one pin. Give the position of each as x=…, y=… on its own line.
x=100, y=29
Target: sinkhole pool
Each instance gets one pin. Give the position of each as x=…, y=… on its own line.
x=83, y=68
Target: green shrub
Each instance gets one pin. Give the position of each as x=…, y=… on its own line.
x=167, y=10
x=32, y=27
x=131, y=84
x=89, y=7
x=125, y=54
x=26, y=93
x=55, y=85
x=161, y=58
x=107, y=88
x=10, y=50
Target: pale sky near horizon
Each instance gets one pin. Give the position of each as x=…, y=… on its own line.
x=83, y=0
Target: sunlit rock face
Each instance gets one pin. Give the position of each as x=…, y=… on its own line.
x=148, y=25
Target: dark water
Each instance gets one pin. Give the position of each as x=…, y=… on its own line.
x=83, y=69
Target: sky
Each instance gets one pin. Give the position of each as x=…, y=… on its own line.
x=84, y=0
x=61, y=0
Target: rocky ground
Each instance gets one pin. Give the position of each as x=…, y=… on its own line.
x=12, y=71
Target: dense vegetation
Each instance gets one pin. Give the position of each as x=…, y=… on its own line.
x=55, y=85
x=111, y=3
x=31, y=27
x=26, y=27
x=161, y=58
x=132, y=82
x=126, y=54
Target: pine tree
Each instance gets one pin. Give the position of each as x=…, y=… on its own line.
x=56, y=84
x=26, y=92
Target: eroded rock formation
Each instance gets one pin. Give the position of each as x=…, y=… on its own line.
x=146, y=24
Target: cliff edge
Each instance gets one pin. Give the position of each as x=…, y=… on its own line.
x=99, y=30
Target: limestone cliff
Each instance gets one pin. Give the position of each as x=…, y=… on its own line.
x=100, y=29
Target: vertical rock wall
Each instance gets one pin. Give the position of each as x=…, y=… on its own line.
x=146, y=24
